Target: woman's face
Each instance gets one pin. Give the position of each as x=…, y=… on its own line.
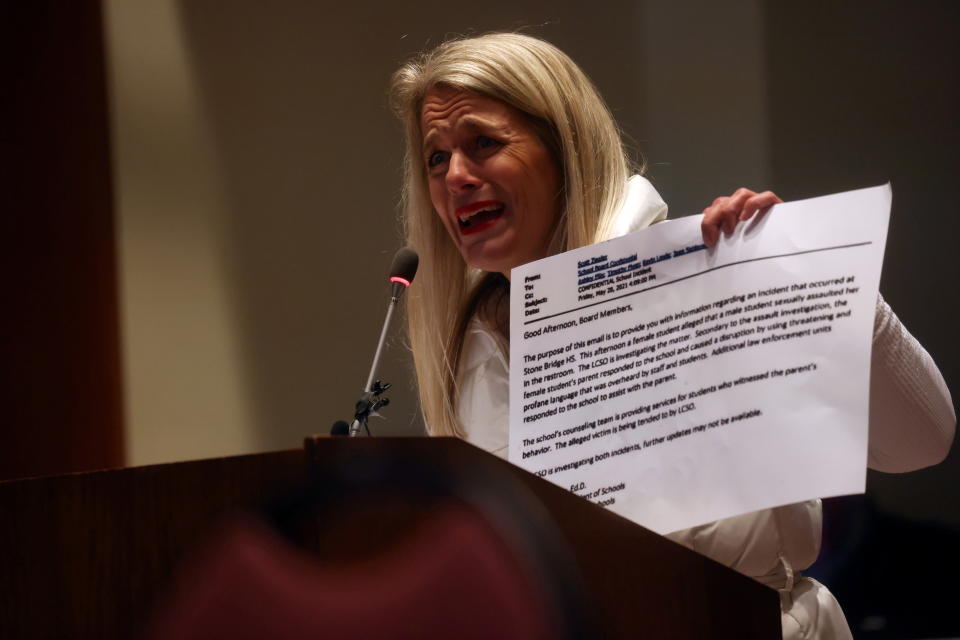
x=493, y=183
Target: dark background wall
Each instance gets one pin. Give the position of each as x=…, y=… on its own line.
x=860, y=95
x=859, y=98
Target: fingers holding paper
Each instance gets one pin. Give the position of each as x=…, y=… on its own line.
x=726, y=212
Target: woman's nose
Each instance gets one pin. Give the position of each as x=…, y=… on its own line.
x=461, y=173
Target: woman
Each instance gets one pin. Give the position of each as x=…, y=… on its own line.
x=513, y=156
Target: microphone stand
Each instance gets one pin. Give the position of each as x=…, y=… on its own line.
x=370, y=401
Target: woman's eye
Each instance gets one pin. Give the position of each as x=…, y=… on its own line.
x=435, y=158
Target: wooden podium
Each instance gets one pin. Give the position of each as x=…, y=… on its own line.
x=87, y=555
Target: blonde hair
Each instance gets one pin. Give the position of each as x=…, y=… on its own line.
x=540, y=80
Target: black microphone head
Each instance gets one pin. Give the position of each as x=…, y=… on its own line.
x=404, y=266
x=340, y=428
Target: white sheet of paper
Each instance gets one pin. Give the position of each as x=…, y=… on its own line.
x=679, y=385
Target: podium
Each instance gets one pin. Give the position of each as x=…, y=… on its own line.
x=90, y=554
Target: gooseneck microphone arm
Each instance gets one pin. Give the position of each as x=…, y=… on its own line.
x=383, y=336
x=402, y=271
x=370, y=401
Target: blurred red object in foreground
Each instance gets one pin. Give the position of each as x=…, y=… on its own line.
x=454, y=576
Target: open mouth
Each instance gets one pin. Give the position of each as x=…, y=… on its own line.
x=478, y=216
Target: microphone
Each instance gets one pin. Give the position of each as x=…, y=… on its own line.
x=402, y=270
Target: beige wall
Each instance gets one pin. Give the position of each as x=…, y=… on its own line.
x=257, y=172
x=186, y=388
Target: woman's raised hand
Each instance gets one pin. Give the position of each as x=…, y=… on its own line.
x=727, y=211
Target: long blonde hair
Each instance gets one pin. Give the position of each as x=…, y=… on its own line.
x=540, y=80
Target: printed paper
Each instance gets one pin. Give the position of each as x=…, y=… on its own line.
x=679, y=385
